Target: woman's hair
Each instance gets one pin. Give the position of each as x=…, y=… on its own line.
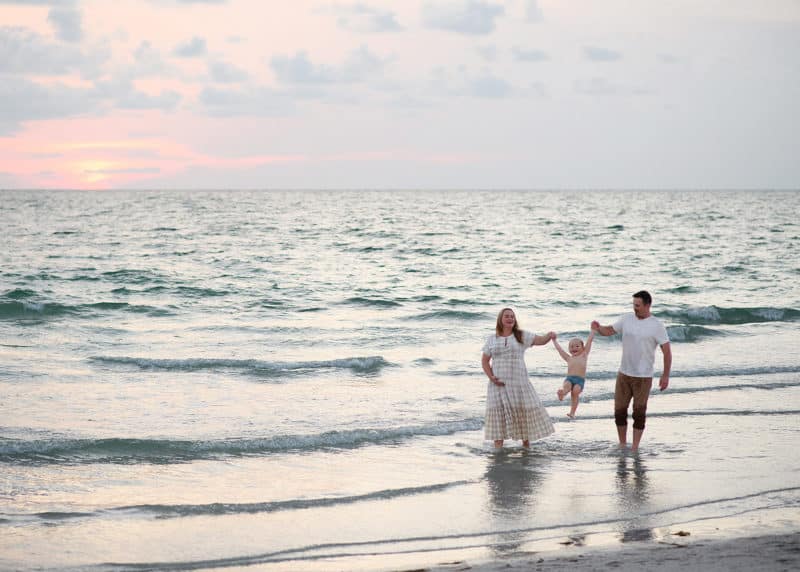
x=515, y=330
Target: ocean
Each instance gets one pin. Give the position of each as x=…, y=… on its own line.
x=292, y=381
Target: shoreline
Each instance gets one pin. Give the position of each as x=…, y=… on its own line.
x=673, y=553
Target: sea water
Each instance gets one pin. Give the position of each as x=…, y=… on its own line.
x=292, y=380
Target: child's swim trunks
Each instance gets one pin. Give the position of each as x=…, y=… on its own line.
x=576, y=380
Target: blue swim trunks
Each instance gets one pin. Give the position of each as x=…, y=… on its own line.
x=576, y=380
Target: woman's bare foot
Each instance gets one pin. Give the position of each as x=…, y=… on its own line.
x=571, y=415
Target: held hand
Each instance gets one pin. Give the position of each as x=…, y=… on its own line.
x=595, y=325
x=664, y=383
x=552, y=335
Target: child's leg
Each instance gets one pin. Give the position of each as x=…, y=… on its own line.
x=575, y=393
x=565, y=389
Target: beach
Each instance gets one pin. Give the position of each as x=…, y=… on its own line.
x=767, y=553
x=289, y=381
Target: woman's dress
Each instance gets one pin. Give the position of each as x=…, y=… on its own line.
x=513, y=411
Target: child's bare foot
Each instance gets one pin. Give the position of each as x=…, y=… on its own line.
x=560, y=394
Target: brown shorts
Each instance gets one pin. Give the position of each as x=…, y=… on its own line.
x=636, y=388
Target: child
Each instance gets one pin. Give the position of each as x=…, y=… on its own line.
x=576, y=369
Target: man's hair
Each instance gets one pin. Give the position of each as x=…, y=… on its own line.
x=645, y=296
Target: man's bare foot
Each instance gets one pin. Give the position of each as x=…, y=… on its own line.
x=560, y=394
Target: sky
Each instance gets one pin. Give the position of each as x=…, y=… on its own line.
x=412, y=94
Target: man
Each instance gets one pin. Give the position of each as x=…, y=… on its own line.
x=641, y=333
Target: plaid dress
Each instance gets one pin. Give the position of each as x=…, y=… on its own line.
x=513, y=411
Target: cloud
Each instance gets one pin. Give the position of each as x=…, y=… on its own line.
x=123, y=171
x=8, y=181
x=473, y=17
x=122, y=94
x=223, y=72
x=299, y=69
x=488, y=53
x=533, y=12
x=67, y=23
x=360, y=65
x=523, y=55
x=195, y=47
x=148, y=62
x=189, y=1
x=247, y=101
x=596, y=54
x=25, y=52
x=668, y=59
x=600, y=86
x=458, y=84
x=489, y=86
x=40, y=2
x=23, y=100
x=362, y=18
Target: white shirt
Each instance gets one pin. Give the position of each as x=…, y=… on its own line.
x=639, y=341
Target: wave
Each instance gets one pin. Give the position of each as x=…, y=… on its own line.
x=691, y=333
x=27, y=309
x=19, y=294
x=675, y=389
x=675, y=374
x=186, y=291
x=733, y=316
x=133, y=276
x=162, y=511
x=682, y=289
x=737, y=371
x=10, y=309
x=449, y=315
x=371, y=364
x=165, y=451
x=364, y=301
x=388, y=546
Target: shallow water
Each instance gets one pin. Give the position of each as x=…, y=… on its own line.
x=292, y=380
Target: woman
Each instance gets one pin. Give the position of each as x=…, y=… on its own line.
x=513, y=410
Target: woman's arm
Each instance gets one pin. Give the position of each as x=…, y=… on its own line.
x=543, y=339
x=487, y=369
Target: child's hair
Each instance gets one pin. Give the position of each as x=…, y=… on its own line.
x=576, y=340
x=515, y=330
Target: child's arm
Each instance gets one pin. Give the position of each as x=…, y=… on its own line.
x=588, y=347
x=564, y=354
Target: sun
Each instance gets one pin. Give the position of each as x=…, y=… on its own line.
x=94, y=172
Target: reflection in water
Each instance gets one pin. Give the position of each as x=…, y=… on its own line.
x=633, y=491
x=513, y=480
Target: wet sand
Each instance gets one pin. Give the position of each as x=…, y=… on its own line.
x=673, y=554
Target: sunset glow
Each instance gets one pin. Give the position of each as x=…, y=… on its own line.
x=450, y=94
